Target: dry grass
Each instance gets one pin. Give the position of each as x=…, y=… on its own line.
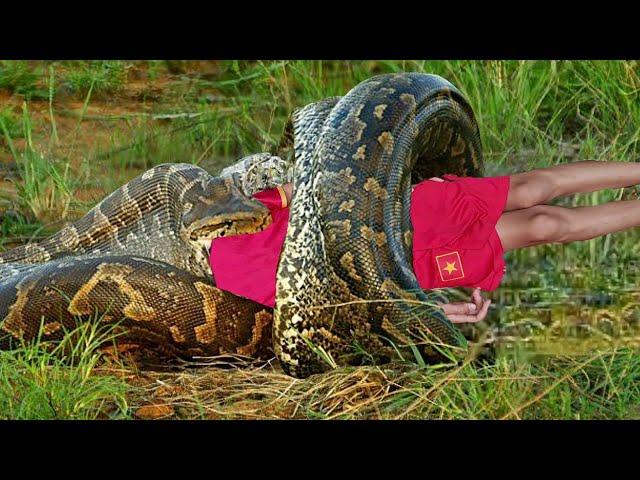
x=598, y=385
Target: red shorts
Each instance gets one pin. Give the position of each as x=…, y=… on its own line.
x=455, y=243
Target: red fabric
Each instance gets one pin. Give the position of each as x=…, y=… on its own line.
x=455, y=243
x=246, y=264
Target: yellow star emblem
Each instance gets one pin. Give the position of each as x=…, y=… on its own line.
x=455, y=265
x=451, y=267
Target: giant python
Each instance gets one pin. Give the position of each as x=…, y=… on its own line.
x=346, y=291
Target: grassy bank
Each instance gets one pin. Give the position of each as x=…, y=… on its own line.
x=71, y=132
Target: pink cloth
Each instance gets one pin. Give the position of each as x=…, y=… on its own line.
x=246, y=264
x=455, y=243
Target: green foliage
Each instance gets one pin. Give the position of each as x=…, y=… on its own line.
x=99, y=77
x=519, y=104
x=18, y=77
x=63, y=381
x=46, y=188
x=602, y=385
x=15, y=227
x=12, y=122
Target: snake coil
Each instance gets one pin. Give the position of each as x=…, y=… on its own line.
x=345, y=287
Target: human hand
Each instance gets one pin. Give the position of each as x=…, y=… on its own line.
x=463, y=312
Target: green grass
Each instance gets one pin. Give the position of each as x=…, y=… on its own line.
x=20, y=78
x=99, y=77
x=46, y=189
x=531, y=114
x=62, y=381
x=12, y=122
x=602, y=385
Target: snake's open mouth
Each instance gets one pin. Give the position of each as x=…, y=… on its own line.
x=212, y=230
x=209, y=232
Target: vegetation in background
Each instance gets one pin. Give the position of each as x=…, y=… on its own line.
x=99, y=77
x=72, y=132
x=62, y=381
x=12, y=123
x=20, y=78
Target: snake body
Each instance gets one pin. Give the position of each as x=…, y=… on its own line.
x=168, y=213
x=349, y=237
x=140, y=254
x=153, y=305
x=140, y=258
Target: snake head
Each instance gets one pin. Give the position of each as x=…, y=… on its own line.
x=217, y=208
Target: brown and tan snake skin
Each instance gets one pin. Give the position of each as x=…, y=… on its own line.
x=346, y=291
x=345, y=273
x=140, y=258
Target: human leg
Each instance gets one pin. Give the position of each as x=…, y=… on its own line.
x=544, y=224
x=541, y=185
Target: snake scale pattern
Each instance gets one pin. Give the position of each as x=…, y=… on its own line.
x=349, y=238
x=140, y=256
x=345, y=288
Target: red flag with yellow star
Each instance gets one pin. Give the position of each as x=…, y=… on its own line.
x=450, y=266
